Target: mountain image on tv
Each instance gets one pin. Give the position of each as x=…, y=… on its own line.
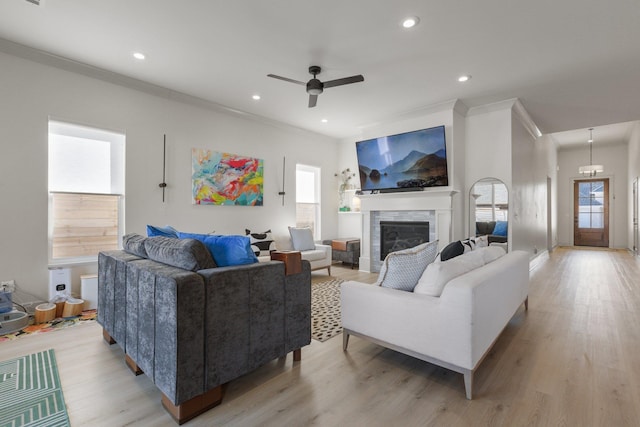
x=409, y=160
x=419, y=170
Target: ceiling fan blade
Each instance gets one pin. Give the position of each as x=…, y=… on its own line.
x=313, y=99
x=286, y=79
x=344, y=81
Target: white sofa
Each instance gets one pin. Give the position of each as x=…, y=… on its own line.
x=454, y=330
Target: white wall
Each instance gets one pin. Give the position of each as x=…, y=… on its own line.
x=488, y=151
x=33, y=92
x=449, y=114
x=633, y=165
x=528, y=198
x=613, y=156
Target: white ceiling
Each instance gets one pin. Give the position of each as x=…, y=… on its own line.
x=573, y=64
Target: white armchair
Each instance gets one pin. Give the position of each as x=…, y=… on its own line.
x=301, y=239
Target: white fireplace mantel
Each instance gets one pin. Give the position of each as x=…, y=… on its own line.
x=438, y=201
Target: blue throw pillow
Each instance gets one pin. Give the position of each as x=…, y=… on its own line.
x=226, y=250
x=166, y=231
x=500, y=229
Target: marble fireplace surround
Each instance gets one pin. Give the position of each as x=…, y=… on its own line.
x=432, y=206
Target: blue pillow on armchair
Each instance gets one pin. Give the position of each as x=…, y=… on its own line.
x=500, y=228
x=226, y=250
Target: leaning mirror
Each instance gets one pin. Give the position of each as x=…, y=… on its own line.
x=489, y=211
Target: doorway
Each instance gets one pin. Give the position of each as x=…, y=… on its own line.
x=591, y=212
x=635, y=216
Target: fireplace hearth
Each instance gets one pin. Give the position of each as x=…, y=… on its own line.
x=399, y=235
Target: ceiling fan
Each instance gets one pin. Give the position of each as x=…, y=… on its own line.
x=315, y=86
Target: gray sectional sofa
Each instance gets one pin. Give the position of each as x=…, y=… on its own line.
x=192, y=327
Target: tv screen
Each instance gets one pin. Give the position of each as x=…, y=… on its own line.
x=405, y=161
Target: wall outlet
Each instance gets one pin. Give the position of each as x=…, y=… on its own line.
x=8, y=286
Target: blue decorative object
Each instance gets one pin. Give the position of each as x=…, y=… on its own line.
x=226, y=250
x=166, y=231
x=500, y=228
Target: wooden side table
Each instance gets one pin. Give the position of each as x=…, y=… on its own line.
x=292, y=261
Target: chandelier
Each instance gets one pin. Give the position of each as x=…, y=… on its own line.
x=591, y=169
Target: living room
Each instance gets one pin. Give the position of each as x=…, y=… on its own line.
x=505, y=137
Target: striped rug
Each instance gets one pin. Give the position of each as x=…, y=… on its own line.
x=30, y=392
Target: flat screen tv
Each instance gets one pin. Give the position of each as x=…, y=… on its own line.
x=406, y=161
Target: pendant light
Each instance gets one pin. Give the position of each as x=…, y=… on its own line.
x=591, y=169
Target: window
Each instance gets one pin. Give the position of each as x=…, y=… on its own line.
x=86, y=192
x=308, y=198
x=492, y=201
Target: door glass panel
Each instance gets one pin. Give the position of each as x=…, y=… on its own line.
x=597, y=220
x=584, y=220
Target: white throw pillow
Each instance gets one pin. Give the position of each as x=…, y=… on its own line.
x=491, y=253
x=437, y=275
x=402, y=269
x=482, y=241
x=302, y=239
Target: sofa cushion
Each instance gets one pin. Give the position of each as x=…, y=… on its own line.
x=452, y=250
x=166, y=231
x=402, y=269
x=226, y=250
x=438, y=274
x=314, y=255
x=500, y=229
x=491, y=253
x=188, y=254
x=485, y=227
x=133, y=243
x=262, y=244
x=302, y=238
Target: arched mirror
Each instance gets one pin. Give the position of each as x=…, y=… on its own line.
x=489, y=211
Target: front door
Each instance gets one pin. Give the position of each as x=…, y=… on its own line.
x=591, y=212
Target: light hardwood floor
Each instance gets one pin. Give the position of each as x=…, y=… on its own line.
x=571, y=360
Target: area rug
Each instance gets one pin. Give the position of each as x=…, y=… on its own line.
x=54, y=325
x=326, y=321
x=30, y=392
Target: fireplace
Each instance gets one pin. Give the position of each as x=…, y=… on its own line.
x=398, y=235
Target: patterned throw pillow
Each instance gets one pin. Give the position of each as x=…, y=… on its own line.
x=402, y=269
x=261, y=243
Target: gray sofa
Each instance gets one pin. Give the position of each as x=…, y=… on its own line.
x=192, y=327
x=486, y=228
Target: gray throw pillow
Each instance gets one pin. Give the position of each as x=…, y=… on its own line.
x=189, y=254
x=133, y=243
x=402, y=269
x=302, y=239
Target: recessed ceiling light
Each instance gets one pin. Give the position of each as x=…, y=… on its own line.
x=324, y=120
x=138, y=55
x=464, y=78
x=410, y=22
x=256, y=97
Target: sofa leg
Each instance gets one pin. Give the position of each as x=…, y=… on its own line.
x=297, y=355
x=108, y=338
x=468, y=383
x=193, y=407
x=345, y=340
x=131, y=364
x=329, y=270
x=526, y=304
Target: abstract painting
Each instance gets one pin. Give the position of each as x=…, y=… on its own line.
x=226, y=179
